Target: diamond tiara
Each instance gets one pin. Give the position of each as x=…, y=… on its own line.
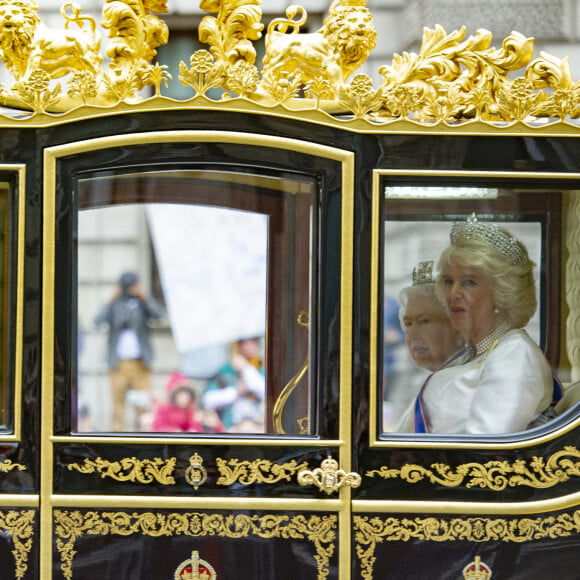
x=423, y=273
x=504, y=243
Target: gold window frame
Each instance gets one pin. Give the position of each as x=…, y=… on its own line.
x=432, y=441
x=20, y=199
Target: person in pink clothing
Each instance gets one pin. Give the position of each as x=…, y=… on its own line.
x=180, y=413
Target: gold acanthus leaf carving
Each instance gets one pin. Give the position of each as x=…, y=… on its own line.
x=130, y=469
x=136, y=33
x=456, y=73
x=8, y=465
x=257, y=471
x=230, y=32
x=539, y=473
x=19, y=525
x=230, y=62
x=372, y=530
x=72, y=525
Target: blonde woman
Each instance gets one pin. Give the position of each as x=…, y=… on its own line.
x=501, y=382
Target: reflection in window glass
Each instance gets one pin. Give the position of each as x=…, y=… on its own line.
x=463, y=342
x=175, y=301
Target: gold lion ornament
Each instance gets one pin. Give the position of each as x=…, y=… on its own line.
x=27, y=45
x=331, y=54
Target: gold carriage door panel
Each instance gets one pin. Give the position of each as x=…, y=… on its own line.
x=195, y=347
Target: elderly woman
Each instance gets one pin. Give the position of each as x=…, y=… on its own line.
x=431, y=340
x=429, y=336
x=502, y=382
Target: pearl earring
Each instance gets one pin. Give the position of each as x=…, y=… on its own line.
x=496, y=310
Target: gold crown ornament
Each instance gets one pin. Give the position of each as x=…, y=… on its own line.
x=477, y=570
x=500, y=240
x=423, y=273
x=195, y=569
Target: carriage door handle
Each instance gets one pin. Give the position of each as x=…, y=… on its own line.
x=328, y=477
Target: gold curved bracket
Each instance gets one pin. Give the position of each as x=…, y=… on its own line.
x=278, y=410
x=328, y=477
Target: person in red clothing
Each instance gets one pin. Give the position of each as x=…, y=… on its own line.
x=180, y=413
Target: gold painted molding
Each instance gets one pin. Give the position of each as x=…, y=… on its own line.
x=453, y=78
x=130, y=469
x=257, y=471
x=7, y=465
x=539, y=472
x=70, y=526
x=19, y=525
x=372, y=530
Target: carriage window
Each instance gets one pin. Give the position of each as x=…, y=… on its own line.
x=193, y=304
x=471, y=310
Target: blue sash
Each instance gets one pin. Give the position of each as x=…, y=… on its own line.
x=558, y=391
x=419, y=413
x=420, y=423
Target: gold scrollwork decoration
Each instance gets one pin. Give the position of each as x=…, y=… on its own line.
x=196, y=474
x=372, y=530
x=320, y=530
x=257, y=471
x=130, y=469
x=453, y=79
x=539, y=473
x=328, y=477
x=19, y=525
x=8, y=465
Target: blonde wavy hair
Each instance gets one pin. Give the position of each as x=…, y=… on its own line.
x=513, y=285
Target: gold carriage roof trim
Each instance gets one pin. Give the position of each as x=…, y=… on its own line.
x=453, y=79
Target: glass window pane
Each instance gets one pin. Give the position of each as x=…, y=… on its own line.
x=193, y=289
x=470, y=340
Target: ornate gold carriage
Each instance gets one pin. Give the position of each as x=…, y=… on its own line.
x=286, y=199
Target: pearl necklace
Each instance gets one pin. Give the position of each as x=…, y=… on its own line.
x=487, y=342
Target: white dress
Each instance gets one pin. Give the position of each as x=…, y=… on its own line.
x=501, y=391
